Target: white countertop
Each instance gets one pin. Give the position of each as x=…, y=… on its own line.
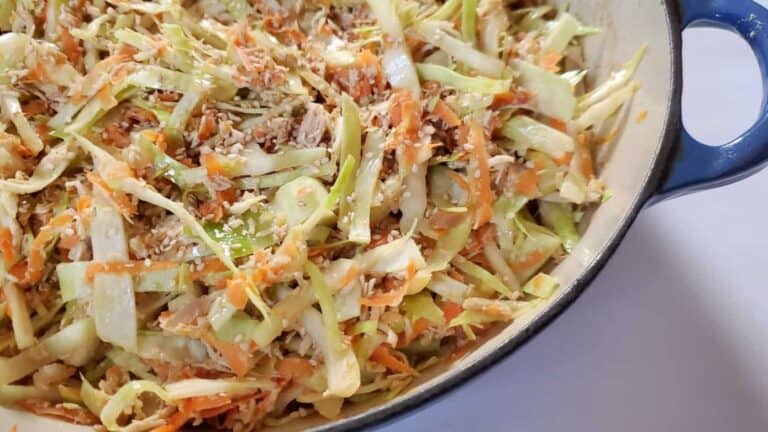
x=673, y=334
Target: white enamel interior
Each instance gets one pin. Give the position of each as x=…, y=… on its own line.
x=627, y=24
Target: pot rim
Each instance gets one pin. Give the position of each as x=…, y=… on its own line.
x=658, y=173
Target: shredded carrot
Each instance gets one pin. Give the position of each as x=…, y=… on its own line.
x=37, y=257
x=528, y=183
x=444, y=112
x=349, y=276
x=294, y=367
x=83, y=204
x=122, y=201
x=196, y=404
x=237, y=291
x=128, y=267
x=459, y=180
x=175, y=422
x=550, y=61
x=106, y=98
x=512, y=98
x=558, y=124
x=532, y=260
x=210, y=265
x=565, y=159
x=71, y=47
x=19, y=270
x=208, y=125
x=480, y=176
x=6, y=246
x=642, y=116
x=212, y=165
x=397, y=290
x=236, y=357
x=454, y=274
x=383, y=355
x=451, y=310
x=68, y=241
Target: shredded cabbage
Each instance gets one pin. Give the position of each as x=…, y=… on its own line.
x=256, y=211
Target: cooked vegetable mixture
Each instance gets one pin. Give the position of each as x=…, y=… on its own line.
x=240, y=212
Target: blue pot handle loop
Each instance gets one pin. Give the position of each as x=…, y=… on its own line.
x=699, y=166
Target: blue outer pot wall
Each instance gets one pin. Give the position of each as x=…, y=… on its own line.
x=667, y=159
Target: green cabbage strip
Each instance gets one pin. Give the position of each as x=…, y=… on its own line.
x=601, y=111
x=286, y=176
x=23, y=331
x=74, y=344
x=422, y=305
x=559, y=217
x=183, y=176
x=617, y=81
x=365, y=187
x=350, y=142
x=529, y=133
x=182, y=112
x=541, y=285
x=12, y=394
x=74, y=284
x=298, y=200
x=197, y=387
x=493, y=25
x=561, y=31
x=434, y=33
x=51, y=166
x=125, y=398
x=397, y=61
x=6, y=13
x=449, y=245
x=450, y=78
x=481, y=276
x=469, y=20
x=340, y=361
x=114, y=303
x=448, y=288
x=11, y=108
x=554, y=96
x=93, y=398
x=257, y=162
x=446, y=11
x=253, y=234
x=131, y=363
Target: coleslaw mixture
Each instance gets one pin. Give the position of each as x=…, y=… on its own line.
x=241, y=212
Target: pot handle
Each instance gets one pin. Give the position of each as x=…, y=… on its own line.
x=699, y=166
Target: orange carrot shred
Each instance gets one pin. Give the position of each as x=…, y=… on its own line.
x=236, y=357
x=6, y=246
x=528, y=182
x=444, y=112
x=196, y=404
x=383, y=356
x=121, y=200
x=175, y=423
x=236, y=292
x=533, y=259
x=294, y=367
x=36, y=261
x=480, y=181
x=129, y=267
x=451, y=310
